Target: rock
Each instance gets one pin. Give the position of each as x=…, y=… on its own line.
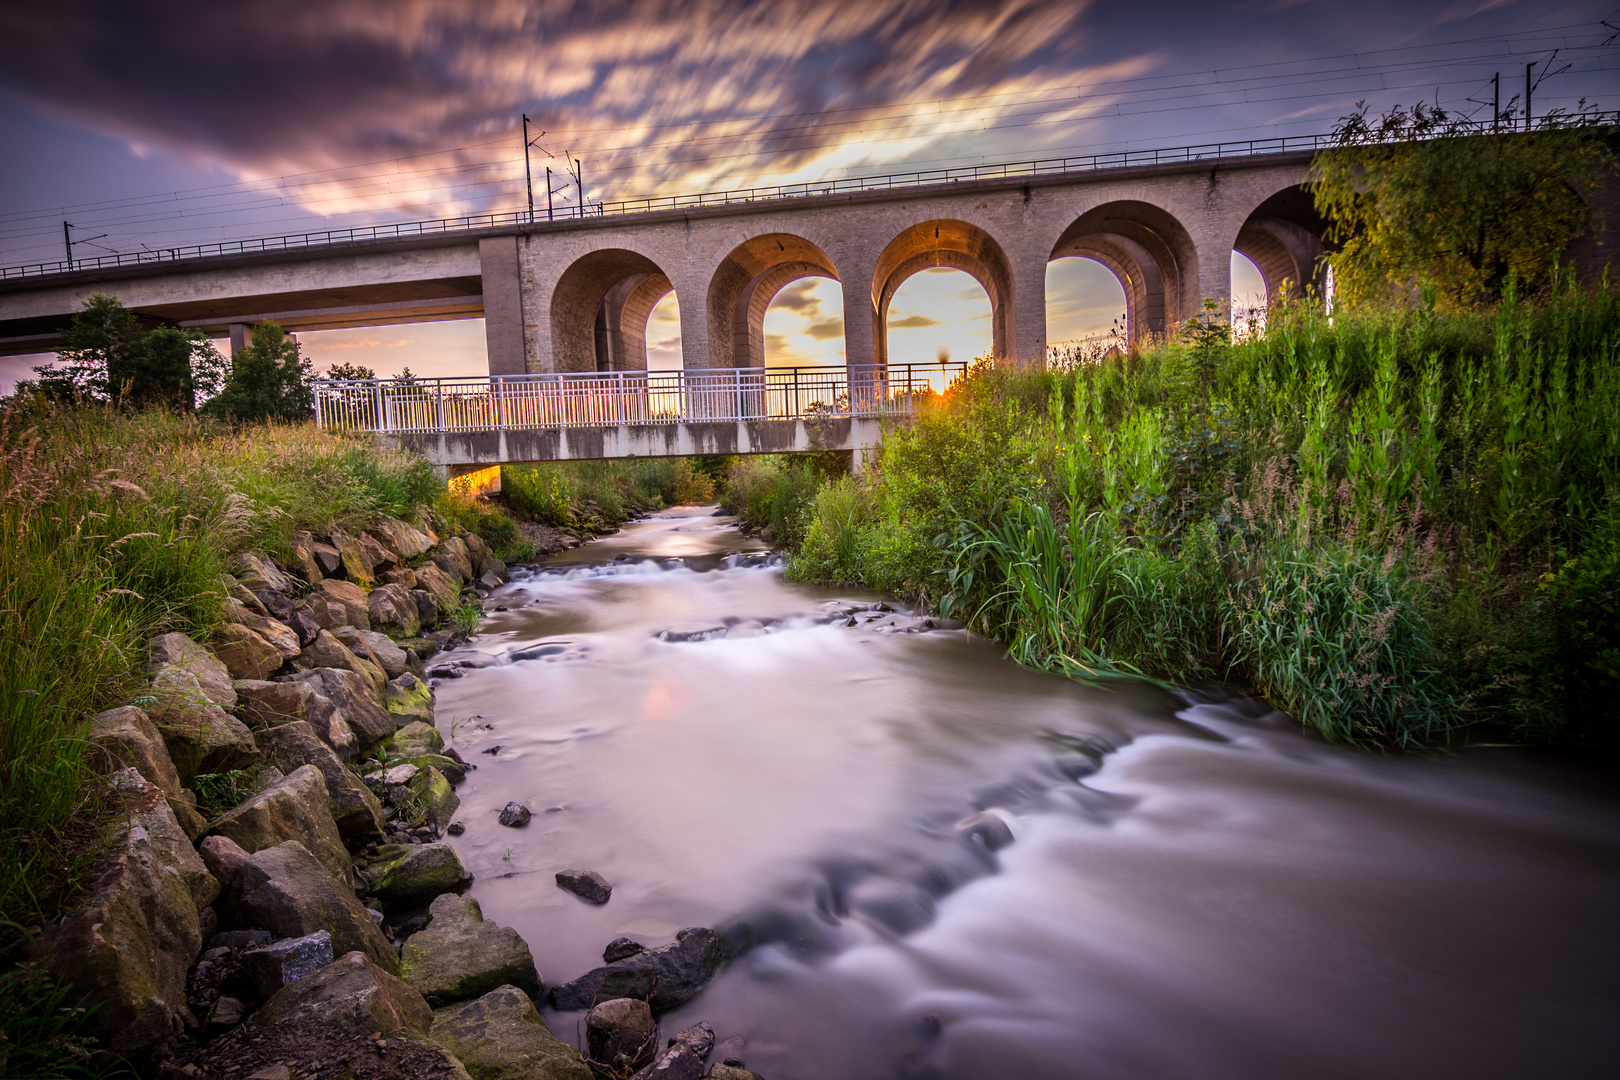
x=224, y=859
x=325, y=615
x=456, y=828
x=270, y=1072
x=377, y=554
x=200, y=736
x=384, y=653
x=256, y=574
x=129, y=946
x=356, y=700
x=401, y=539
x=226, y=1012
x=665, y=977
x=202, y=672
x=246, y=653
x=278, y=606
x=328, y=558
x=684, y=1058
x=445, y=590
x=355, y=810
x=351, y=993
x=620, y=948
x=454, y=770
x=500, y=1036
x=453, y=559
x=305, y=627
x=127, y=737
x=348, y=598
x=395, y=776
x=394, y=610
x=988, y=829
x=416, y=739
x=460, y=956
x=304, y=563
x=284, y=962
x=586, y=884
x=238, y=939
x=408, y=699
x=263, y=704
x=732, y=1072
x=409, y=875
x=490, y=581
x=427, y=608
x=242, y=595
x=621, y=1034
x=403, y=575
x=297, y=808
x=287, y=891
x=357, y=559
x=280, y=636
x=515, y=815
x=693, y=632
x=326, y=651
x=435, y=796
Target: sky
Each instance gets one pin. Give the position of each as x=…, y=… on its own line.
x=184, y=121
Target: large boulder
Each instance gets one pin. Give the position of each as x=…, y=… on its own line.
x=327, y=557
x=357, y=700
x=408, y=699
x=348, y=598
x=280, y=963
x=435, y=795
x=416, y=739
x=256, y=573
x=460, y=956
x=286, y=890
x=500, y=1036
x=329, y=650
x=402, y=575
x=445, y=590
x=247, y=654
x=263, y=704
x=201, y=737
x=321, y=612
x=193, y=665
x=128, y=948
x=304, y=563
x=294, y=808
x=410, y=875
x=377, y=553
x=355, y=810
x=621, y=1034
x=684, y=1057
x=352, y=993
x=392, y=609
x=452, y=557
x=127, y=737
x=400, y=538
x=665, y=978
x=384, y=652
x=280, y=636
x=483, y=560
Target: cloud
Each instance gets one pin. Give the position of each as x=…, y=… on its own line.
x=647, y=93
x=826, y=329
x=912, y=322
x=799, y=296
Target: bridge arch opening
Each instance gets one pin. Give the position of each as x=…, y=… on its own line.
x=1086, y=310
x=1150, y=253
x=1283, y=239
x=600, y=308
x=944, y=244
x=743, y=286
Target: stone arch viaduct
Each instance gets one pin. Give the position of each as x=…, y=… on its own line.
x=574, y=296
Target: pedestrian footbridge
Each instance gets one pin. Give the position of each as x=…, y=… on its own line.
x=463, y=425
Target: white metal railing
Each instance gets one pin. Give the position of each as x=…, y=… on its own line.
x=612, y=398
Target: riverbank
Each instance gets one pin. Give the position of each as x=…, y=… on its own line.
x=1400, y=528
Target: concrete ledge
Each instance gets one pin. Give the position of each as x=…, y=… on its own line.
x=483, y=448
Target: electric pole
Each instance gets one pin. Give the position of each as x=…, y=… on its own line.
x=579, y=180
x=1528, y=90
x=67, y=242
x=1496, y=101
x=528, y=177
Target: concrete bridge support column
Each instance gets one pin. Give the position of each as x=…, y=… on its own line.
x=1029, y=313
x=498, y=257
x=241, y=336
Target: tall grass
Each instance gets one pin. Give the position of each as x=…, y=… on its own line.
x=603, y=493
x=1393, y=524
x=115, y=527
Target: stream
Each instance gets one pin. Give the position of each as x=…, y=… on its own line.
x=951, y=867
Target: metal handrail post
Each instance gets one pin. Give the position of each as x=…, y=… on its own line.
x=439, y=404
x=500, y=402
x=382, y=417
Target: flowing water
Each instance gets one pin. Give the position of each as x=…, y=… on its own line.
x=1143, y=887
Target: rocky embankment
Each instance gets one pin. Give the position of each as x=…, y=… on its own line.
x=320, y=928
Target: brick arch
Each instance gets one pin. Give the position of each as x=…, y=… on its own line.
x=1151, y=253
x=946, y=242
x=1283, y=238
x=599, y=310
x=743, y=287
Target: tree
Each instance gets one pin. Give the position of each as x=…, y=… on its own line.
x=1423, y=196
x=349, y=373
x=269, y=380
x=110, y=355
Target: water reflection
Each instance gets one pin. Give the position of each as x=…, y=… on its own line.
x=947, y=866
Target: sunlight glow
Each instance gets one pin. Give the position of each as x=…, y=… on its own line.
x=939, y=312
